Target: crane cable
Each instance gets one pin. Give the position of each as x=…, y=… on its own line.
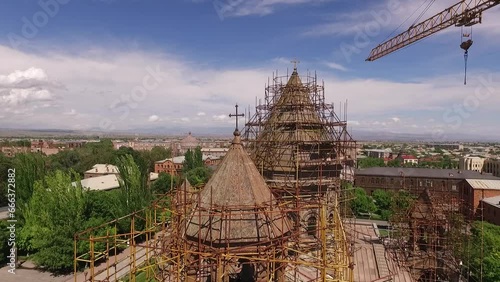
x=423, y=12
x=396, y=29
x=465, y=45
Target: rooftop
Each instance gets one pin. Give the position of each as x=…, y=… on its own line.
x=242, y=208
x=486, y=184
x=103, y=168
x=180, y=159
x=189, y=141
x=424, y=172
x=408, y=157
x=100, y=183
x=494, y=201
x=387, y=150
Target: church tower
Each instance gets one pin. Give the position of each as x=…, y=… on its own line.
x=301, y=147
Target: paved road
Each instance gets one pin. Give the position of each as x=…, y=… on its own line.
x=378, y=222
x=27, y=273
x=4, y=214
x=122, y=267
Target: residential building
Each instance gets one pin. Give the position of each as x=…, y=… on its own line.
x=492, y=166
x=11, y=151
x=142, y=145
x=173, y=166
x=101, y=170
x=37, y=145
x=216, y=152
x=447, y=146
x=379, y=153
x=471, y=163
x=414, y=179
x=408, y=159
x=473, y=191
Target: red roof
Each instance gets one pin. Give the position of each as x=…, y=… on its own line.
x=408, y=157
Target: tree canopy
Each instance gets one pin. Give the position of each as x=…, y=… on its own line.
x=484, y=252
x=164, y=183
x=370, y=162
x=362, y=203
x=55, y=212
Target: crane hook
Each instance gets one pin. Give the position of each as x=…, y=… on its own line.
x=465, y=45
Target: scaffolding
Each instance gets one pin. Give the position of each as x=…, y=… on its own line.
x=160, y=250
x=303, y=149
x=298, y=142
x=430, y=237
x=301, y=153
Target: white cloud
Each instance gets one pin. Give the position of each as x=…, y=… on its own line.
x=71, y=112
x=21, y=96
x=153, y=118
x=20, y=76
x=219, y=117
x=25, y=87
x=396, y=119
x=200, y=114
x=239, y=8
x=335, y=66
x=100, y=89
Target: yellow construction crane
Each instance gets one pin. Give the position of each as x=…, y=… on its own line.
x=463, y=14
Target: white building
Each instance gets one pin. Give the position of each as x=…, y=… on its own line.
x=100, y=183
x=101, y=170
x=471, y=163
x=215, y=152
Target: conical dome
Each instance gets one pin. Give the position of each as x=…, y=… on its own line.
x=236, y=207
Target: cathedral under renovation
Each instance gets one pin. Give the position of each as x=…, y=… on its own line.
x=272, y=210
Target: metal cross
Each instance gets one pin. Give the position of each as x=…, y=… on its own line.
x=236, y=115
x=295, y=62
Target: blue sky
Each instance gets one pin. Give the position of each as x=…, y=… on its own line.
x=83, y=59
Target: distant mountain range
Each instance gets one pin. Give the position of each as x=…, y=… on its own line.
x=360, y=135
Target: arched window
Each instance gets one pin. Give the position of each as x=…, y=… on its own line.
x=311, y=225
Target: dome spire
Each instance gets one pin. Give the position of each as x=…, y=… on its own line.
x=295, y=62
x=236, y=132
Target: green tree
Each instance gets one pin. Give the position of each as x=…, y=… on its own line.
x=66, y=160
x=394, y=163
x=141, y=159
x=160, y=153
x=103, y=205
x=383, y=202
x=164, y=182
x=486, y=257
x=402, y=201
x=29, y=168
x=199, y=175
x=189, y=163
x=198, y=157
x=370, y=162
x=361, y=202
x=193, y=159
x=134, y=193
x=55, y=212
x=5, y=165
